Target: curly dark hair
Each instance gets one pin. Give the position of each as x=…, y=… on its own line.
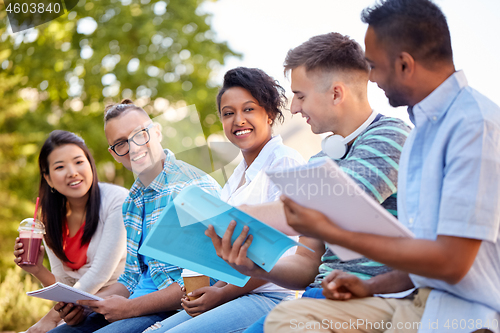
x=418, y=27
x=328, y=52
x=266, y=90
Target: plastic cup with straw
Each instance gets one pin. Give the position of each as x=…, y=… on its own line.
x=31, y=233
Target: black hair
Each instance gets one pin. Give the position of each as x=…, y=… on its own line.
x=328, y=52
x=262, y=87
x=53, y=203
x=418, y=27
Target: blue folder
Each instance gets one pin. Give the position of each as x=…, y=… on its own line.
x=178, y=237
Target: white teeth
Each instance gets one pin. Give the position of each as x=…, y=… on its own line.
x=238, y=133
x=138, y=157
x=75, y=183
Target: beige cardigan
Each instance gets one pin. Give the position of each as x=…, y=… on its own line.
x=107, y=249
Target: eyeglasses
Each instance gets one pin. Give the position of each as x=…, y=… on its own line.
x=140, y=139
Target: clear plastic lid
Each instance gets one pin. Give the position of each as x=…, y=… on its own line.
x=28, y=225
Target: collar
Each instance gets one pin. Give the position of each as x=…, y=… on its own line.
x=261, y=159
x=437, y=103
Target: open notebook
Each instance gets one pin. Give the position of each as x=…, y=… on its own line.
x=323, y=186
x=60, y=292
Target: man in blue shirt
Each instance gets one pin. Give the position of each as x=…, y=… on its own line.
x=148, y=291
x=448, y=196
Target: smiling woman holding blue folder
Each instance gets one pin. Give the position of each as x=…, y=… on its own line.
x=249, y=105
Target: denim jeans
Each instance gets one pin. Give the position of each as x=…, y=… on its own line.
x=233, y=316
x=258, y=326
x=95, y=322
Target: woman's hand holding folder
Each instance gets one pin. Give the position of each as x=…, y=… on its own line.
x=235, y=254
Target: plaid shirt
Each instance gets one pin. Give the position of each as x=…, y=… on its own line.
x=147, y=203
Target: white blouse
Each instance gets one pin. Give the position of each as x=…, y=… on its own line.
x=258, y=188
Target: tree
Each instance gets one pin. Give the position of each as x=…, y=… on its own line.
x=60, y=75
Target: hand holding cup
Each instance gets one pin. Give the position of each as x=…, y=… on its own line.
x=28, y=248
x=193, y=281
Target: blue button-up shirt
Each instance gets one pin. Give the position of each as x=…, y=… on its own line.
x=449, y=184
x=145, y=204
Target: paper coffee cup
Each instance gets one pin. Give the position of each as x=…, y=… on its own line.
x=31, y=234
x=193, y=281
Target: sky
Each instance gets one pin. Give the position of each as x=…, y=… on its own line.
x=264, y=30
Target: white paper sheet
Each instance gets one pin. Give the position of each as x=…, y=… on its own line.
x=60, y=292
x=323, y=186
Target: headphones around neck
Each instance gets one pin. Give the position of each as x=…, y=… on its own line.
x=335, y=146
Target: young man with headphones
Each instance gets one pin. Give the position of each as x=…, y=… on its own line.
x=329, y=77
x=448, y=196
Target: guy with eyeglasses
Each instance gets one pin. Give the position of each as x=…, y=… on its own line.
x=148, y=291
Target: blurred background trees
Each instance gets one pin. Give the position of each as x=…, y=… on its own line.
x=60, y=75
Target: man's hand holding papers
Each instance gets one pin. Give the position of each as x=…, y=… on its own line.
x=113, y=308
x=307, y=221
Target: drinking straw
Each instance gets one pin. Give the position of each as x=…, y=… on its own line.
x=34, y=216
x=33, y=228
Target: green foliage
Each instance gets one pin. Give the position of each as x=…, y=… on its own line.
x=17, y=310
x=70, y=76
x=57, y=77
